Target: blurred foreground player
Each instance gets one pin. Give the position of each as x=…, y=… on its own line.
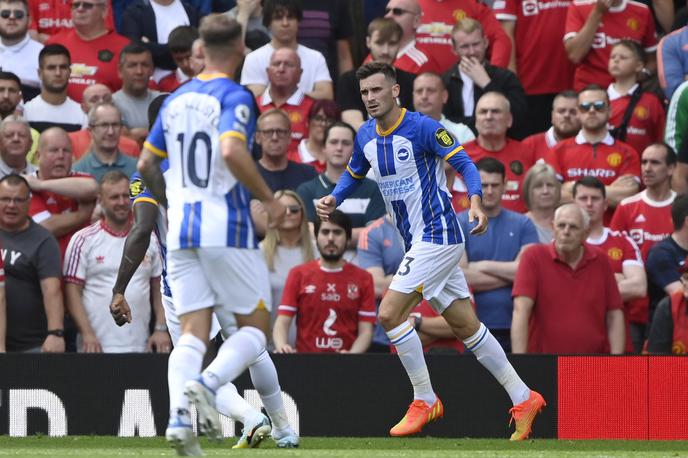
x=149, y=217
x=213, y=260
x=405, y=151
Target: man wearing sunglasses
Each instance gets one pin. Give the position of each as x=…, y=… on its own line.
x=595, y=152
x=50, y=17
x=94, y=47
x=18, y=52
x=411, y=57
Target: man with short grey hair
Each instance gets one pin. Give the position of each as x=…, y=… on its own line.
x=105, y=126
x=588, y=317
x=15, y=144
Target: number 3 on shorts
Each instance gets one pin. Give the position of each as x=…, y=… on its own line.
x=405, y=266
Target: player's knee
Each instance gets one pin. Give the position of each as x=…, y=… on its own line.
x=389, y=318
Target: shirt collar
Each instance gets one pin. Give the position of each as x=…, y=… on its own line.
x=614, y=94
x=618, y=8
x=602, y=238
x=295, y=99
x=16, y=47
x=411, y=44
x=581, y=140
x=98, y=163
x=589, y=253
x=550, y=139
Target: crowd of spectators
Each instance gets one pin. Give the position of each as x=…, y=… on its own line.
x=575, y=112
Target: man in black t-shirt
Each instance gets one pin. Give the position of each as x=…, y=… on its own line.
x=35, y=313
x=667, y=256
x=383, y=40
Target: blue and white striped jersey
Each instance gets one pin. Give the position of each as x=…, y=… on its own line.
x=408, y=163
x=139, y=193
x=207, y=206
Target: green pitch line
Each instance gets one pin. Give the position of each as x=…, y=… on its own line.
x=326, y=447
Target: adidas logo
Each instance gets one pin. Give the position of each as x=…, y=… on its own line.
x=640, y=219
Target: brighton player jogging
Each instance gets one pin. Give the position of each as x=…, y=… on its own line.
x=213, y=259
x=149, y=218
x=406, y=151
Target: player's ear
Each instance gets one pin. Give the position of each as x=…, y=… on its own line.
x=395, y=90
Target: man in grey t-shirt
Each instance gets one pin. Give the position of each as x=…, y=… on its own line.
x=35, y=312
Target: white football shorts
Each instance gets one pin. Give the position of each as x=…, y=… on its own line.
x=232, y=280
x=432, y=270
x=174, y=327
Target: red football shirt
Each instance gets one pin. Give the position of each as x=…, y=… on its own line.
x=517, y=159
x=297, y=107
x=628, y=21
x=93, y=61
x=621, y=251
x=46, y=204
x=647, y=122
x=571, y=305
x=646, y=221
x=541, y=69
x=574, y=158
x=541, y=143
x=53, y=16
x=328, y=305
x=434, y=33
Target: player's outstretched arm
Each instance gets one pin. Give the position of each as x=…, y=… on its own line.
x=325, y=206
x=149, y=168
x=241, y=165
x=476, y=212
x=135, y=248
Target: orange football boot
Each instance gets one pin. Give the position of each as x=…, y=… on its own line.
x=524, y=414
x=418, y=415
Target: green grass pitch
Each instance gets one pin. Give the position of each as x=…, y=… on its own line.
x=325, y=447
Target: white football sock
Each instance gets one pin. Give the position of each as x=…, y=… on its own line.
x=229, y=403
x=265, y=381
x=491, y=355
x=184, y=364
x=410, y=351
x=234, y=356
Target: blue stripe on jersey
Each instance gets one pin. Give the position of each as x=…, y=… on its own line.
x=385, y=156
x=453, y=229
x=402, y=218
x=430, y=203
x=184, y=231
x=232, y=227
x=196, y=229
x=239, y=222
x=163, y=255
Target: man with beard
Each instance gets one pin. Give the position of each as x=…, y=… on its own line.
x=90, y=268
x=565, y=124
x=333, y=301
x=18, y=52
x=593, y=151
x=53, y=108
x=10, y=93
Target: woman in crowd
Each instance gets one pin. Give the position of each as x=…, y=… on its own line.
x=542, y=193
x=322, y=114
x=288, y=245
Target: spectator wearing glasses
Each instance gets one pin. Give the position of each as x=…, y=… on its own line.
x=94, y=48
x=365, y=205
x=35, y=312
x=411, y=57
x=105, y=125
x=50, y=17
x=593, y=151
x=273, y=135
x=311, y=151
x=81, y=139
x=283, y=92
x=18, y=51
x=288, y=245
x=53, y=107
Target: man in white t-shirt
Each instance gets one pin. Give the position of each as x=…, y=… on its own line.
x=52, y=107
x=90, y=270
x=18, y=52
x=282, y=17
